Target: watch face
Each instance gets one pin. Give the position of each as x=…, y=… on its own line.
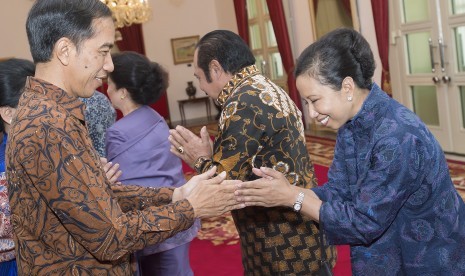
x=297, y=207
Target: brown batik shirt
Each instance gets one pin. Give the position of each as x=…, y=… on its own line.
x=67, y=218
x=260, y=126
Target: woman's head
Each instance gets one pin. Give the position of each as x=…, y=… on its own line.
x=339, y=54
x=13, y=74
x=333, y=76
x=136, y=77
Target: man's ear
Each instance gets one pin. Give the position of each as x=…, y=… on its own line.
x=7, y=114
x=215, y=69
x=62, y=50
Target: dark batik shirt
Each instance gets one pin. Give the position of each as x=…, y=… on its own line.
x=67, y=218
x=390, y=195
x=261, y=126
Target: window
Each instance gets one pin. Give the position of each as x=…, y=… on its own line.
x=263, y=42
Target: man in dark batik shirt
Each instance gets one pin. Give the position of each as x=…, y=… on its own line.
x=259, y=126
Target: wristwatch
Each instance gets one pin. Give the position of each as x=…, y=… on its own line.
x=298, y=202
x=199, y=164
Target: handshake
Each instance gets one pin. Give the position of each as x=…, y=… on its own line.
x=210, y=196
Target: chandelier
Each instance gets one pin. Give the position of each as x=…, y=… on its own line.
x=127, y=12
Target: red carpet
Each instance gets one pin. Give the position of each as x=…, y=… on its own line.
x=215, y=260
x=343, y=266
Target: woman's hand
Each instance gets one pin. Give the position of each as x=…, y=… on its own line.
x=111, y=170
x=272, y=189
x=188, y=146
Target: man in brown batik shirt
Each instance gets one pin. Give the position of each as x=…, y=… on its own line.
x=260, y=126
x=67, y=218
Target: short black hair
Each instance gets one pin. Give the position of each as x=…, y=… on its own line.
x=341, y=53
x=13, y=74
x=145, y=81
x=50, y=20
x=228, y=48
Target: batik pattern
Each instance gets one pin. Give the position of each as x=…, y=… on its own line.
x=261, y=126
x=67, y=218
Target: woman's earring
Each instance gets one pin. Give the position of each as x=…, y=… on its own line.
x=122, y=97
x=349, y=98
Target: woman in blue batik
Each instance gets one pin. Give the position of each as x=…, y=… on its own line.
x=389, y=193
x=13, y=74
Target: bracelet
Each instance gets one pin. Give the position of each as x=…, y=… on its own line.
x=199, y=164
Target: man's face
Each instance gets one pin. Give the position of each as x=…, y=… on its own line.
x=92, y=61
x=212, y=88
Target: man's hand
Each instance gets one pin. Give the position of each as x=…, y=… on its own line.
x=188, y=146
x=185, y=190
x=212, y=197
x=272, y=189
x=111, y=170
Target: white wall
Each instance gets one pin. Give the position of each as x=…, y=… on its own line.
x=171, y=19
x=179, y=18
x=367, y=29
x=13, y=28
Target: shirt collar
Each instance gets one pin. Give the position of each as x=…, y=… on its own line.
x=372, y=109
x=235, y=81
x=70, y=103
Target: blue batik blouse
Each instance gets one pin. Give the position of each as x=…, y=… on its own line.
x=390, y=196
x=100, y=115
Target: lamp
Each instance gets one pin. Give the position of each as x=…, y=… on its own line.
x=127, y=12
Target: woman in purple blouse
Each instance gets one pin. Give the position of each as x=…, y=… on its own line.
x=389, y=193
x=138, y=142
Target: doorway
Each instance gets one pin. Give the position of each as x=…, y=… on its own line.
x=428, y=65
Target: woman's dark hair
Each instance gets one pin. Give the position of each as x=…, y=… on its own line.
x=50, y=20
x=339, y=54
x=13, y=74
x=145, y=81
x=228, y=48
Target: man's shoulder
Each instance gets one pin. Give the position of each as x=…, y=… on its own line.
x=37, y=111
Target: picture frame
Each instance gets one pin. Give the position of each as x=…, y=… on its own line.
x=183, y=48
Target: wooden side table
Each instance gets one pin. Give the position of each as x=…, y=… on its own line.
x=205, y=100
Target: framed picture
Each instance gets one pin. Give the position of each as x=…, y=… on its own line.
x=183, y=49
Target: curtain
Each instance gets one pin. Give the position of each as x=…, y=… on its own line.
x=380, y=16
x=347, y=8
x=240, y=6
x=133, y=40
x=278, y=20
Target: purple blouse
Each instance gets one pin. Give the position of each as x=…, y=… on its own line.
x=139, y=143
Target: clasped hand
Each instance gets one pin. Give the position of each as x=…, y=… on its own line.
x=188, y=146
x=210, y=196
x=272, y=189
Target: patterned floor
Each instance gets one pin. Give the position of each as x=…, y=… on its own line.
x=221, y=230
